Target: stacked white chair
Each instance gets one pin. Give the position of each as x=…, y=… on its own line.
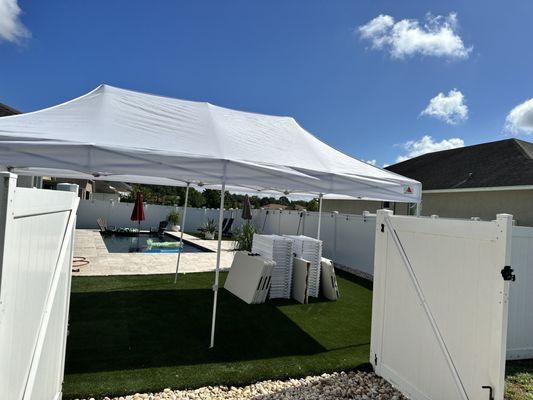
x=309, y=249
x=328, y=283
x=279, y=249
x=249, y=277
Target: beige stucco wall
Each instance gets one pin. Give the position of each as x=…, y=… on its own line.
x=358, y=206
x=482, y=204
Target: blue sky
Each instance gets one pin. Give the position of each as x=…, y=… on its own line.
x=361, y=94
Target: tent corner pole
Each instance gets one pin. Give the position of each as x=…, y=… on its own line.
x=217, y=270
x=182, y=229
x=320, y=196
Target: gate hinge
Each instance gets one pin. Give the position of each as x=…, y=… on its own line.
x=376, y=359
x=507, y=274
x=491, y=394
x=382, y=227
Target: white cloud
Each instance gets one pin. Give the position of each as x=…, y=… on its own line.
x=520, y=119
x=426, y=144
x=436, y=37
x=371, y=162
x=449, y=108
x=11, y=29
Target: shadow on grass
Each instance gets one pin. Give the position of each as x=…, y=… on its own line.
x=131, y=329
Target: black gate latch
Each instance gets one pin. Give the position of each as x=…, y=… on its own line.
x=507, y=274
x=491, y=394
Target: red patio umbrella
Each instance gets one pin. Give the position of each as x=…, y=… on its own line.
x=138, y=210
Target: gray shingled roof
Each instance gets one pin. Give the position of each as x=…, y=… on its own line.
x=6, y=110
x=503, y=163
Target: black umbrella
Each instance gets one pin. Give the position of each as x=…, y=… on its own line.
x=246, y=209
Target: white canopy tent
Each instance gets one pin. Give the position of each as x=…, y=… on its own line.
x=112, y=132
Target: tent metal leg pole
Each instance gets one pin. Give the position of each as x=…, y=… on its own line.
x=319, y=216
x=217, y=270
x=182, y=229
x=418, y=209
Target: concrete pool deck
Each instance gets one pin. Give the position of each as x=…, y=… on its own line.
x=89, y=244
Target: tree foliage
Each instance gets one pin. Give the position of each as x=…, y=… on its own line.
x=210, y=198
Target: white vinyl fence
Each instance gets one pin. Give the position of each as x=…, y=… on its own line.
x=520, y=331
x=347, y=239
x=439, y=312
x=118, y=214
x=36, y=233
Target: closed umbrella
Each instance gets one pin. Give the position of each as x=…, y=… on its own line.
x=246, y=209
x=138, y=210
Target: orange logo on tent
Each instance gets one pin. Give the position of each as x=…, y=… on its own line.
x=408, y=190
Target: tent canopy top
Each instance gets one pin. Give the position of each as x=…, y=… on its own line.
x=112, y=131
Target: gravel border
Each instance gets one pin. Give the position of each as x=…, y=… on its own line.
x=356, y=385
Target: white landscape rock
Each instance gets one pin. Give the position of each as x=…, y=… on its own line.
x=338, y=385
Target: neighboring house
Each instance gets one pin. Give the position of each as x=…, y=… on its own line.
x=93, y=190
x=85, y=186
x=475, y=181
x=104, y=190
x=22, y=181
x=358, y=206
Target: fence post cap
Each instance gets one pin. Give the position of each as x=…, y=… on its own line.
x=504, y=217
x=384, y=212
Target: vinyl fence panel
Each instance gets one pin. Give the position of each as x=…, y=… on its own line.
x=347, y=239
x=118, y=214
x=36, y=256
x=355, y=241
x=439, y=313
x=520, y=331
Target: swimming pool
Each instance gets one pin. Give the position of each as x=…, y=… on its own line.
x=139, y=244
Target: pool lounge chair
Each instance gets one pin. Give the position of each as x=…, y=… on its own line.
x=102, y=224
x=226, y=226
x=160, y=230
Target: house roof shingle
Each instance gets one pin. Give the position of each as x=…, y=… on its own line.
x=6, y=110
x=503, y=163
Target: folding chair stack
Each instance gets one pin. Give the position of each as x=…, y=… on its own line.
x=309, y=249
x=278, y=249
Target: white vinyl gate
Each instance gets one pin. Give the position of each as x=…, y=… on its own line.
x=439, y=314
x=36, y=233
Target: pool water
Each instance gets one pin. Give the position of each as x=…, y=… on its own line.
x=138, y=244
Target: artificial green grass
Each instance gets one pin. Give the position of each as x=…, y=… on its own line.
x=143, y=333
